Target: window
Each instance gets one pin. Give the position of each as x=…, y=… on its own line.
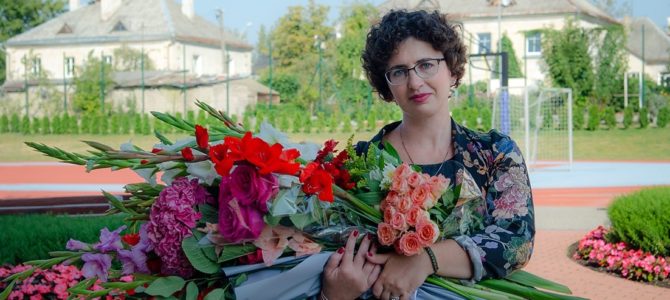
x=484, y=43
x=65, y=29
x=196, y=65
x=107, y=59
x=119, y=27
x=69, y=66
x=533, y=43
x=36, y=66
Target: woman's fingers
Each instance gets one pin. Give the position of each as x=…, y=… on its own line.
x=374, y=274
x=334, y=260
x=349, y=248
x=363, y=250
x=377, y=258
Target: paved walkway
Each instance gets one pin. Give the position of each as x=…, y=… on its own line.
x=567, y=203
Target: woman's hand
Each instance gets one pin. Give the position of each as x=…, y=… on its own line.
x=348, y=275
x=401, y=275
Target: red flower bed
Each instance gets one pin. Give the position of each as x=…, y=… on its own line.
x=617, y=258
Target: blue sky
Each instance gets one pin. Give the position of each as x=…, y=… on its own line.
x=239, y=13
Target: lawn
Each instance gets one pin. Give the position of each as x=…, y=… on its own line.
x=651, y=144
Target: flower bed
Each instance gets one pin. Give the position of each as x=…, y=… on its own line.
x=52, y=283
x=594, y=250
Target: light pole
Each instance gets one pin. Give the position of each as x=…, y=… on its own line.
x=224, y=57
x=320, y=45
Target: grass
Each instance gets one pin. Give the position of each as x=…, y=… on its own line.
x=650, y=144
x=43, y=233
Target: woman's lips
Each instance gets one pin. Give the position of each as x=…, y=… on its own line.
x=420, y=98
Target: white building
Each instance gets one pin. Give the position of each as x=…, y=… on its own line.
x=174, y=38
x=484, y=21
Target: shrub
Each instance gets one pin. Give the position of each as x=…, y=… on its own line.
x=347, y=128
x=594, y=118
x=57, y=125
x=610, y=118
x=14, y=123
x=45, y=125
x=578, y=117
x=372, y=121
x=297, y=123
x=4, y=124
x=95, y=123
x=35, y=125
x=25, y=125
x=644, y=117
x=642, y=220
x=103, y=120
x=663, y=117
x=137, y=124
x=284, y=123
x=44, y=233
x=627, y=117
x=146, y=125
x=126, y=121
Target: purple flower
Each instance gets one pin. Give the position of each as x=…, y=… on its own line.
x=133, y=260
x=110, y=241
x=250, y=188
x=96, y=265
x=145, y=243
x=238, y=223
x=75, y=245
x=171, y=219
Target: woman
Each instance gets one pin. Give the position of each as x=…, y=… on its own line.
x=416, y=59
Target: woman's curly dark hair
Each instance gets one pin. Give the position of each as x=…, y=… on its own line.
x=398, y=25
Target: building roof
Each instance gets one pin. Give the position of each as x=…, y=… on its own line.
x=470, y=9
x=133, y=21
x=656, y=42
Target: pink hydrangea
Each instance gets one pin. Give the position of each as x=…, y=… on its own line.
x=171, y=219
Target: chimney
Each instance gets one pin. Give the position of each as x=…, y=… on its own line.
x=74, y=5
x=108, y=8
x=187, y=9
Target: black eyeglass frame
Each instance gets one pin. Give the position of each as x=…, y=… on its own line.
x=387, y=73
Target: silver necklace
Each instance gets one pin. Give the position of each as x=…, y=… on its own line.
x=402, y=142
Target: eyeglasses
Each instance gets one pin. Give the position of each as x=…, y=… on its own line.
x=424, y=68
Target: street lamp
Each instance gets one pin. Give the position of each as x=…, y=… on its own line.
x=224, y=57
x=320, y=45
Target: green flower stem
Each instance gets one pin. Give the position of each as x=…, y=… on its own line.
x=373, y=215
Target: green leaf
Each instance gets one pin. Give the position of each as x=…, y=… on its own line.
x=234, y=251
x=216, y=294
x=301, y=220
x=524, y=291
x=192, y=291
x=162, y=138
x=285, y=202
x=209, y=214
x=196, y=256
x=391, y=151
x=529, y=279
x=165, y=286
x=240, y=279
x=7, y=290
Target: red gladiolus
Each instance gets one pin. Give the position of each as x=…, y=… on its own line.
x=187, y=153
x=328, y=147
x=221, y=159
x=202, y=137
x=156, y=150
x=131, y=239
x=269, y=159
x=316, y=180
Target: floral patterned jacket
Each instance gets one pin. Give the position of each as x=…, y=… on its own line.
x=497, y=228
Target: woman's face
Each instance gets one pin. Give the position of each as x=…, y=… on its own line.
x=417, y=96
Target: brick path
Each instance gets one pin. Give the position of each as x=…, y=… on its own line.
x=556, y=206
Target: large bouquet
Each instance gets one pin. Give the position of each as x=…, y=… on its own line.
x=254, y=216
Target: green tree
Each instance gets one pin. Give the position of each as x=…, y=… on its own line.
x=611, y=66
x=19, y=16
x=296, y=40
x=288, y=85
x=512, y=62
x=348, y=71
x=263, y=41
x=89, y=83
x=130, y=59
x=566, y=53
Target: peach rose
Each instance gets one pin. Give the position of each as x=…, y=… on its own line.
x=409, y=244
x=438, y=185
x=426, y=177
x=420, y=194
x=414, y=179
x=402, y=171
x=405, y=204
x=415, y=214
x=386, y=234
x=399, y=185
x=398, y=222
x=389, y=211
x=427, y=231
x=392, y=198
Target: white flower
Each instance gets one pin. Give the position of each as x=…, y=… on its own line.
x=270, y=135
x=147, y=174
x=170, y=170
x=387, y=176
x=203, y=170
x=178, y=145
